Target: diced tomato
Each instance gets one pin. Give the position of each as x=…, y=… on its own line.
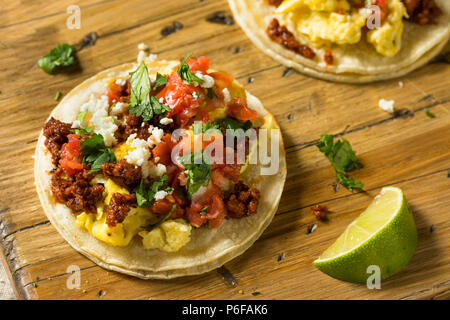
x=215, y=213
x=163, y=150
x=180, y=97
x=71, y=156
x=117, y=92
x=382, y=4
x=201, y=64
x=164, y=206
x=238, y=109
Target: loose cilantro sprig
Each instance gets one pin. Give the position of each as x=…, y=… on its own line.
x=342, y=158
x=160, y=81
x=185, y=72
x=198, y=172
x=145, y=193
x=61, y=56
x=141, y=103
x=95, y=153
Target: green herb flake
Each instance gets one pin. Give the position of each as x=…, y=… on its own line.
x=145, y=193
x=198, y=174
x=61, y=56
x=429, y=113
x=160, y=81
x=186, y=74
x=342, y=158
x=141, y=103
x=234, y=124
x=57, y=95
x=95, y=153
x=256, y=293
x=204, y=210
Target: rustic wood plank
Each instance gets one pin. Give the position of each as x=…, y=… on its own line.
x=259, y=268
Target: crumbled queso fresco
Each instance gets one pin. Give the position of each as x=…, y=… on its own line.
x=208, y=81
x=386, y=105
x=103, y=124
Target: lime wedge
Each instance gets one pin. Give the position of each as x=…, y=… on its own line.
x=384, y=235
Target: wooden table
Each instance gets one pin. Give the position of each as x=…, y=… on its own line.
x=409, y=150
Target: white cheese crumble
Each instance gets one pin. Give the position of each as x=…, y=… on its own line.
x=208, y=81
x=165, y=121
x=103, y=124
x=400, y=83
x=194, y=94
x=386, y=105
x=139, y=155
x=156, y=135
x=226, y=95
x=161, y=194
x=121, y=82
x=118, y=108
x=142, y=46
x=76, y=124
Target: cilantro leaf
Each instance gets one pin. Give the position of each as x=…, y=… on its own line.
x=95, y=153
x=160, y=81
x=231, y=123
x=186, y=74
x=61, y=56
x=199, y=127
x=82, y=131
x=141, y=104
x=145, y=194
x=348, y=182
x=198, y=174
x=342, y=158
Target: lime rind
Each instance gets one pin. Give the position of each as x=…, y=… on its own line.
x=390, y=248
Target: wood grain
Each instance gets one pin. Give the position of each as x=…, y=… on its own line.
x=409, y=150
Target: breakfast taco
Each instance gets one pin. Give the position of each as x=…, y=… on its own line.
x=347, y=40
x=126, y=172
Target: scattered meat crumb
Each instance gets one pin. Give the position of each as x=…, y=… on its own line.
x=319, y=212
x=281, y=257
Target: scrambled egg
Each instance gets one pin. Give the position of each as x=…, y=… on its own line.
x=170, y=236
x=121, y=150
x=320, y=21
x=387, y=38
x=176, y=233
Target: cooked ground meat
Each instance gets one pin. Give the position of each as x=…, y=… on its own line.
x=75, y=191
x=243, y=201
x=118, y=208
x=283, y=36
x=133, y=124
x=122, y=173
x=422, y=11
x=56, y=133
x=328, y=57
